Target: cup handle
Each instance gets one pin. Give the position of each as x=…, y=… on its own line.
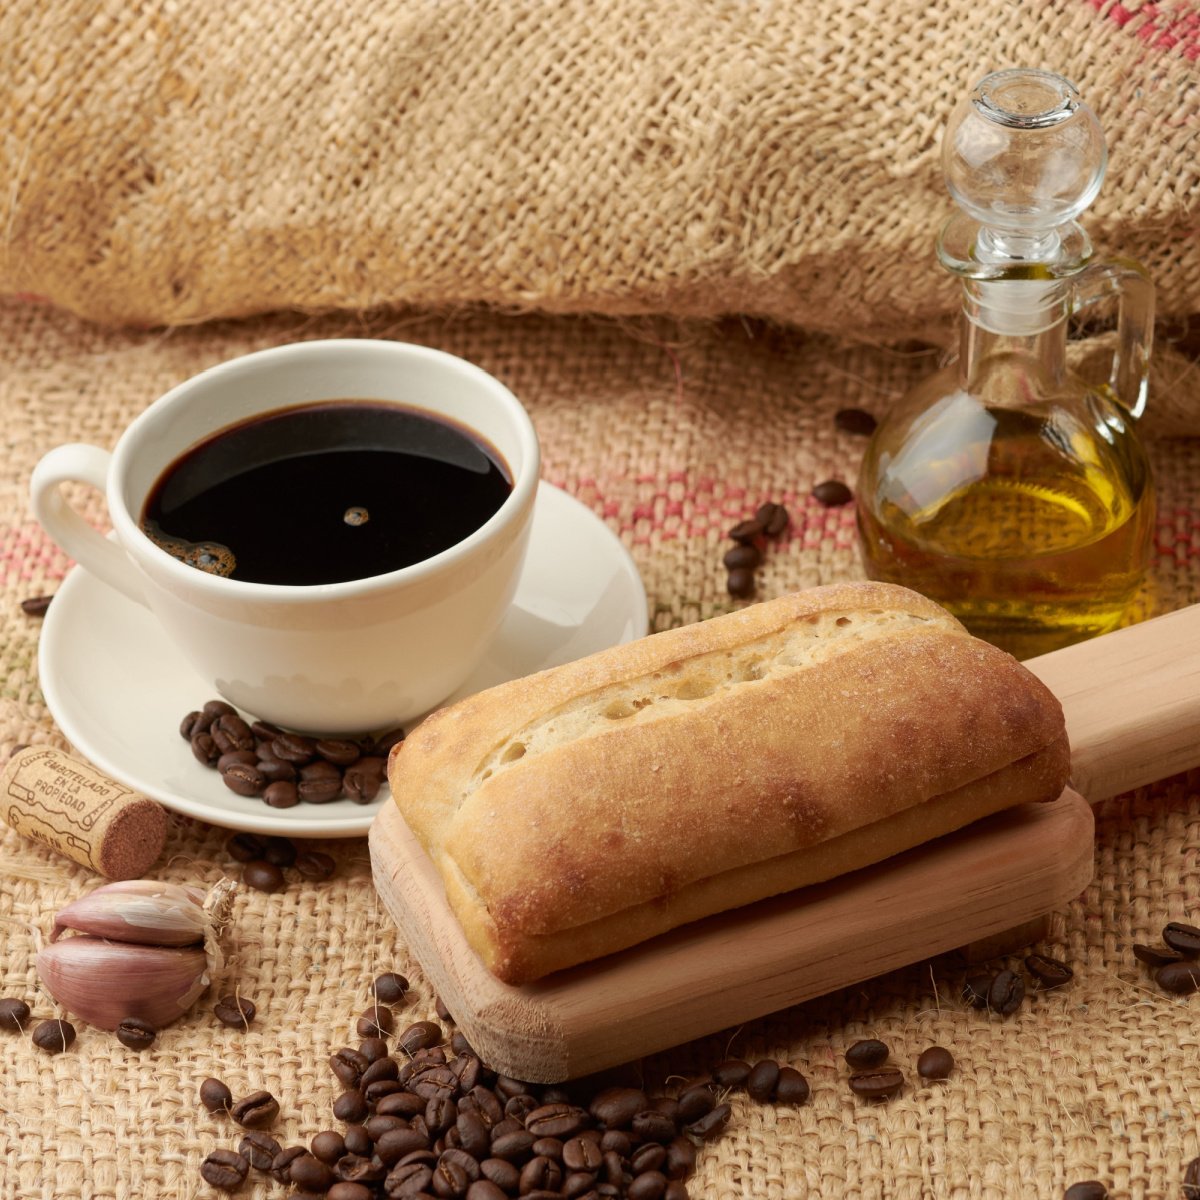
x=78, y=462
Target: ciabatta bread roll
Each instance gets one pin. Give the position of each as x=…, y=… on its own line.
x=583, y=809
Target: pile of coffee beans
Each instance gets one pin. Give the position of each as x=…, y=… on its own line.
x=873, y=1077
x=1004, y=991
x=265, y=859
x=750, y=538
x=1175, y=964
x=426, y=1117
x=284, y=768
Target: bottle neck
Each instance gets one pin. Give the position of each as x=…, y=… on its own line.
x=1024, y=319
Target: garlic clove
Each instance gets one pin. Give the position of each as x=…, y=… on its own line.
x=138, y=910
x=104, y=982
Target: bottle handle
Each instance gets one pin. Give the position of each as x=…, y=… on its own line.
x=77, y=462
x=1131, y=284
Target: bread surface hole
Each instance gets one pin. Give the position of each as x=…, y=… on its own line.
x=619, y=709
x=513, y=752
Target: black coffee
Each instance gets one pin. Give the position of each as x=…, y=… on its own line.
x=324, y=493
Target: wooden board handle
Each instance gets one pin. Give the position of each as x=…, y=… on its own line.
x=1132, y=702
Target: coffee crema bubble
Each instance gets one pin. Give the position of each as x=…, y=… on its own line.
x=210, y=557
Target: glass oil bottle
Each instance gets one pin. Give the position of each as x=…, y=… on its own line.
x=1003, y=486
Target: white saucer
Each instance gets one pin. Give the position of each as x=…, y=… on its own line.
x=118, y=689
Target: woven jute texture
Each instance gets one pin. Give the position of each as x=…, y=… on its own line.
x=168, y=163
x=670, y=433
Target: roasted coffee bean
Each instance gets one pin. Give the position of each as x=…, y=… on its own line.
x=377, y=1021
x=345, y=1190
x=339, y=751
x=612, y=1170
x=263, y=876
x=740, y=583
x=421, y=1035
x=616, y=1107
x=651, y=1185
x=649, y=1156
x=396, y=1143
x=440, y=1113
x=1191, y=1180
x=855, y=420
x=666, y=1105
x=878, y=1083
x=458, y=1160
x=328, y=1146
x=375, y=1127
x=582, y=1154
x=792, y=1087
x=282, y=1162
x=382, y=745
x=775, y=520
x=364, y=779
x=975, y=990
x=485, y=1189
x=832, y=493
x=136, y=1034
x=357, y=1139
x=1181, y=937
x=321, y=769
x=681, y=1159
x=1006, y=993
x=409, y=1179
x=695, y=1101
x=731, y=1073
x=936, y=1062
x=742, y=557
x=653, y=1126
x=868, y=1053
x=501, y=1172
x=235, y=1011
x=547, y=1147
x=323, y=790
x=433, y=1080
x=521, y=1106
x=483, y=1101
x=746, y=531
x=53, y=1036
x=281, y=794
x=540, y=1173
x=760, y=1083
x=401, y=1104
x=1049, y=972
x=348, y=1065
x=309, y=1172
x=194, y=723
x=264, y=731
x=459, y=1043
x=255, y=1111
x=230, y=732
x=513, y=1146
x=351, y=1106
x=275, y=770
x=375, y=1049
x=1155, y=956
x=215, y=1096
x=1181, y=978
x=259, y=1149
x=473, y=1135
x=224, y=1169
x=468, y=1068
x=215, y=709
x=243, y=779
x=1090, y=1189
x=710, y=1125
x=378, y=1070
x=676, y=1190
x=616, y=1141
x=14, y=1014
x=36, y=606
x=235, y=756
x=390, y=987
x=556, y=1120
x=359, y=1168
x=294, y=748
x=205, y=750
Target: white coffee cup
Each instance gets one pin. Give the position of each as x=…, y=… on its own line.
x=347, y=657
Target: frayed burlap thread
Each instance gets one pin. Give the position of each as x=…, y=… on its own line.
x=670, y=432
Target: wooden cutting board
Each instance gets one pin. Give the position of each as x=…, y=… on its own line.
x=1132, y=703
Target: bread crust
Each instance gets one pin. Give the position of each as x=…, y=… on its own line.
x=582, y=809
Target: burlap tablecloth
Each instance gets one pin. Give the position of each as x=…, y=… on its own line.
x=670, y=433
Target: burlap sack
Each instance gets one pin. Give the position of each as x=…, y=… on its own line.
x=170, y=163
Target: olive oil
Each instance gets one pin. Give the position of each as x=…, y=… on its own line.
x=1043, y=547
x=1005, y=487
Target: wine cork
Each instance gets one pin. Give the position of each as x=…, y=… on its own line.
x=73, y=808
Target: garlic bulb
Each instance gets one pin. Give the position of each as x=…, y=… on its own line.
x=140, y=949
